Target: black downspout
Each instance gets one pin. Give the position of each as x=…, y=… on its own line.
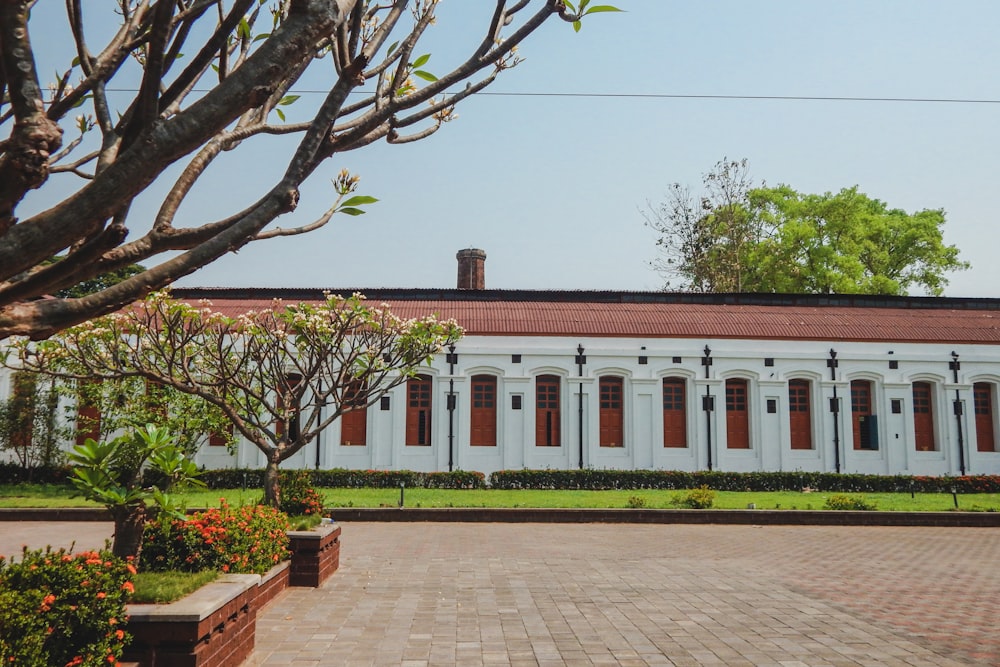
x=708, y=404
x=580, y=361
x=452, y=360
x=835, y=409
x=319, y=416
x=955, y=365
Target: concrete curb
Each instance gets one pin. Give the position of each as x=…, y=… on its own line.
x=542, y=515
x=738, y=517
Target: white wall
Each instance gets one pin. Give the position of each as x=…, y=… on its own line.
x=770, y=447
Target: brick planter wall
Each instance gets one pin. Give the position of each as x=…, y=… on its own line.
x=212, y=627
x=215, y=626
x=315, y=554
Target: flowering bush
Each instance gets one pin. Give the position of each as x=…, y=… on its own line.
x=298, y=497
x=842, y=502
x=63, y=609
x=249, y=538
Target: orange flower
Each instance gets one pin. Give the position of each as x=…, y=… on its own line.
x=127, y=586
x=120, y=634
x=101, y=595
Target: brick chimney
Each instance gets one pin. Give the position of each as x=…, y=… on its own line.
x=471, y=268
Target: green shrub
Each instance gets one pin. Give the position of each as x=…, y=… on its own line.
x=298, y=497
x=636, y=502
x=63, y=609
x=701, y=498
x=250, y=538
x=842, y=502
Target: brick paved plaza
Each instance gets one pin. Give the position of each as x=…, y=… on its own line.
x=619, y=594
x=555, y=594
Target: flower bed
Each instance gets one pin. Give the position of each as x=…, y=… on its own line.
x=216, y=625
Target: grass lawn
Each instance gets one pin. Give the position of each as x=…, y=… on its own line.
x=37, y=495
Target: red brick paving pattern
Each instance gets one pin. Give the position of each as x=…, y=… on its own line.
x=542, y=594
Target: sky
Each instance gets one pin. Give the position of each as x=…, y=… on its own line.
x=550, y=172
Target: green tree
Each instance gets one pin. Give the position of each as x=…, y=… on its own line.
x=209, y=76
x=110, y=473
x=280, y=375
x=849, y=243
x=29, y=425
x=743, y=237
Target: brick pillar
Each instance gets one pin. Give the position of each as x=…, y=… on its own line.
x=471, y=268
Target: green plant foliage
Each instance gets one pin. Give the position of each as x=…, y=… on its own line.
x=109, y=472
x=251, y=538
x=701, y=498
x=737, y=481
x=298, y=497
x=58, y=608
x=165, y=587
x=636, y=502
x=242, y=478
x=842, y=502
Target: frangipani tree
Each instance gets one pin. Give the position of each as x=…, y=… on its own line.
x=117, y=143
x=280, y=375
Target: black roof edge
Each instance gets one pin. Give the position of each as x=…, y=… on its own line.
x=597, y=296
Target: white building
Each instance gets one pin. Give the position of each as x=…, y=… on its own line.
x=650, y=380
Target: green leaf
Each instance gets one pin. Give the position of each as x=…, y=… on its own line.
x=570, y=5
x=263, y=35
x=601, y=8
x=421, y=61
x=243, y=30
x=82, y=100
x=426, y=76
x=76, y=61
x=392, y=48
x=288, y=99
x=576, y=26
x=351, y=211
x=359, y=200
x=280, y=113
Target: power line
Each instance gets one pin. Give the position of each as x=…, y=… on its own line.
x=805, y=98
x=680, y=96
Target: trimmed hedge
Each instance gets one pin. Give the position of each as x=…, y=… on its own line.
x=251, y=478
x=13, y=473
x=588, y=479
x=735, y=481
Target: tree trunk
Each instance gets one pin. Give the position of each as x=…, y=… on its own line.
x=130, y=522
x=272, y=492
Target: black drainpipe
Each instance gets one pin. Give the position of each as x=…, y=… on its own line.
x=580, y=361
x=708, y=404
x=452, y=359
x=835, y=409
x=319, y=415
x=955, y=365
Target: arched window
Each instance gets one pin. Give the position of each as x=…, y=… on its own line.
x=547, y=408
x=483, y=417
x=862, y=420
x=88, y=412
x=354, y=422
x=799, y=417
x=674, y=412
x=923, y=417
x=287, y=398
x=418, y=411
x=982, y=398
x=737, y=414
x=611, y=417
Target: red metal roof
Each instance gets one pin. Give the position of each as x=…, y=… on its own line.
x=969, y=322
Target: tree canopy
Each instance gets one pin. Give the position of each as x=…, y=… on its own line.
x=280, y=375
x=208, y=76
x=742, y=237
